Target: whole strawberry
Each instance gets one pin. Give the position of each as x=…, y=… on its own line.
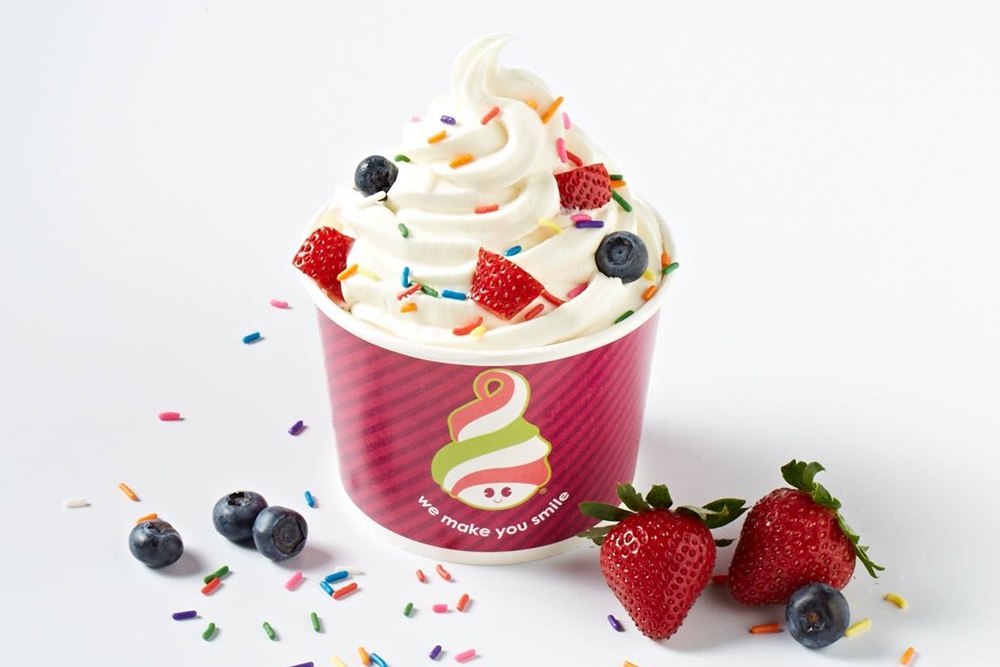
x=657, y=560
x=793, y=537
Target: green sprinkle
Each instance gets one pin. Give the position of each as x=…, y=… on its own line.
x=624, y=315
x=403, y=230
x=209, y=632
x=315, y=621
x=401, y=158
x=670, y=267
x=621, y=202
x=428, y=290
x=408, y=609
x=270, y=631
x=616, y=177
x=220, y=573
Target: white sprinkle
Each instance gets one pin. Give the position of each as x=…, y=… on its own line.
x=350, y=569
x=372, y=199
x=72, y=503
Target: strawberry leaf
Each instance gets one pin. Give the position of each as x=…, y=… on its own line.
x=724, y=542
x=596, y=534
x=659, y=497
x=717, y=513
x=631, y=498
x=604, y=512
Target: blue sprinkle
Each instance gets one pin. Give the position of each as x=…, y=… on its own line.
x=336, y=576
x=326, y=588
x=434, y=652
x=448, y=119
x=509, y=252
x=250, y=338
x=451, y=294
x=296, y=427
x=593, y=224
x=377, y=660
x=406, y=276
x=310, y=500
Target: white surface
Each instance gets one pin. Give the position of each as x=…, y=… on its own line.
x=829, y=175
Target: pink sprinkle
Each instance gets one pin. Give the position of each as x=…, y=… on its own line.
x=466, y=656
x=576, y=291
x=440, y=608
x=414, y=119
x=294, y=581
x=279, y=304
x=561, y=149
x=577, y=217
x=170, y=416
x=566, y=123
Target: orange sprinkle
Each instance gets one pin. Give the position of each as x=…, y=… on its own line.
x=365, y=658
x=208, y=588
x=490, y=115
x=461, y=331
x=547, y=116
x=348, y=272
x=408, y=307
x=462, y=602
x=907, y=656
x=345, y=590
x=765, y=629
x=489, y=208
x=629, y=664
x=445, y=574
x=460, y=160
x=128, y=492
x=720, y=578
x=665, y=259
x=148, y=517
x=532, y=103
x=421, y=576
x=618, y=184
x=648, y=294
x=434, y=138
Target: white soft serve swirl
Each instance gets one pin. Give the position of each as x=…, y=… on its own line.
x=515, y=158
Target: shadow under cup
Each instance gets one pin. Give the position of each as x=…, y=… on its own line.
x=484, y=462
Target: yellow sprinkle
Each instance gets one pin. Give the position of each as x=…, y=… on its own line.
x=629, y=664
x=896, y=600
x=532, y=103
x=648, y=275
x=860, y=626
x=907, y=656
x=548, y=224
x=463, y=159
x=434, y=138
x=368, y=273
x=547, y=116
x=338, y=662
x=408, y=307
x=348, y=272
x=478, y=331
x=148, y=517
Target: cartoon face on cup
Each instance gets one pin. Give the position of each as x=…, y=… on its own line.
x=496, y=459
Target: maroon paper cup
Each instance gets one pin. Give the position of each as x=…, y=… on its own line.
x=484, y=458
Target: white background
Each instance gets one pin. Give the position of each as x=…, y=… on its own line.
x=830, y=175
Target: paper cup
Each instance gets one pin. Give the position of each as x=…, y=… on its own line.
x=484, y=457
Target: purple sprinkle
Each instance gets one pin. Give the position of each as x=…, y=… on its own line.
x=615, y=623
x=435, y=652
x=296, y=427
x=448, y=119
x=595, y=224
x=181, y=615
x=304, y=664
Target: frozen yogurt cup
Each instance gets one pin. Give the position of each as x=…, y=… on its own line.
x=488, y=320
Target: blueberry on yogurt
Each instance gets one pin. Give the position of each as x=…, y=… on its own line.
x=374, y=174
x=234, y=514
x=155, y=543
x=279, y=533
x=622, y=255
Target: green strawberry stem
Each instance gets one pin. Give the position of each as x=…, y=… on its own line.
x=801, y=476
x=715, y=514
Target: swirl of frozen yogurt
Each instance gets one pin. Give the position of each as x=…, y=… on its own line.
x=499, y=153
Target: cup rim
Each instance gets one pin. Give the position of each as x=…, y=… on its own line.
x=379, y=337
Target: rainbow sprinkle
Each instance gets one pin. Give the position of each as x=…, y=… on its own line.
x=615, y=623
x=415, y=287
x=463, y=602
x=468, y=328
x=408, y=609
x=448, y=120
x=368, y=273
x=576, y=291
x=347, y=273
x=624, y=316
x=435, y=652
x=408, y=307
x=561, y=150
x=549, y=224
x=169, y=416
x=403, y=230
x=478, y=331
x=896, y=600
x=551, y=110
x=405, y=278
x=279, y=304
x=765, y=629
x=621, y=201
x=460, y=160
x=148, y=517
x=452, y=294
x=309, y=499
x=435, y=138
x=565, y=119
x=129, y=493
x=488, y=208
x=401, y=158
x=344, y=591
x=251, y=337
x=429, y=291
x=907, y=656
x=511, y=251
x=465, y=656
x=575, y=159
x=534, y=312
x=296, y=428
x=648, y=294
x=669, y=268
x=490, y=115
x=209, y=632
x=860, y=626
x=445, y=574
x=183, y=615
x=588, y=224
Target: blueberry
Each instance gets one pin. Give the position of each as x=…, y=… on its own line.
x=622, y=255
x=234, y=514
x=155, y=543
x=279, y=532
x=817, y=615
x=375, y=174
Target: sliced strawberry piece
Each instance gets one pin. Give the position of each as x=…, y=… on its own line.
x=584, y=188
x=501, y=286
x=322, y=257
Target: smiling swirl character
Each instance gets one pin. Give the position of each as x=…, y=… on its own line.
x=496, y=458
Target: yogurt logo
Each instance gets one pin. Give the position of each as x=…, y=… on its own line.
x=496, y=459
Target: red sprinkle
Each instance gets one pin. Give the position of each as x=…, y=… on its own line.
x=345, y=590
x=489, y=208
x=576, y=291
x=490, y=115
x=462, y=602
x=445, y=574
x=552, y=298
x=574, y=158
x=421, y=576
x=534, y=312
x=415, y=287
x=461, y=331
x=210, y=587
x=170, y=416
